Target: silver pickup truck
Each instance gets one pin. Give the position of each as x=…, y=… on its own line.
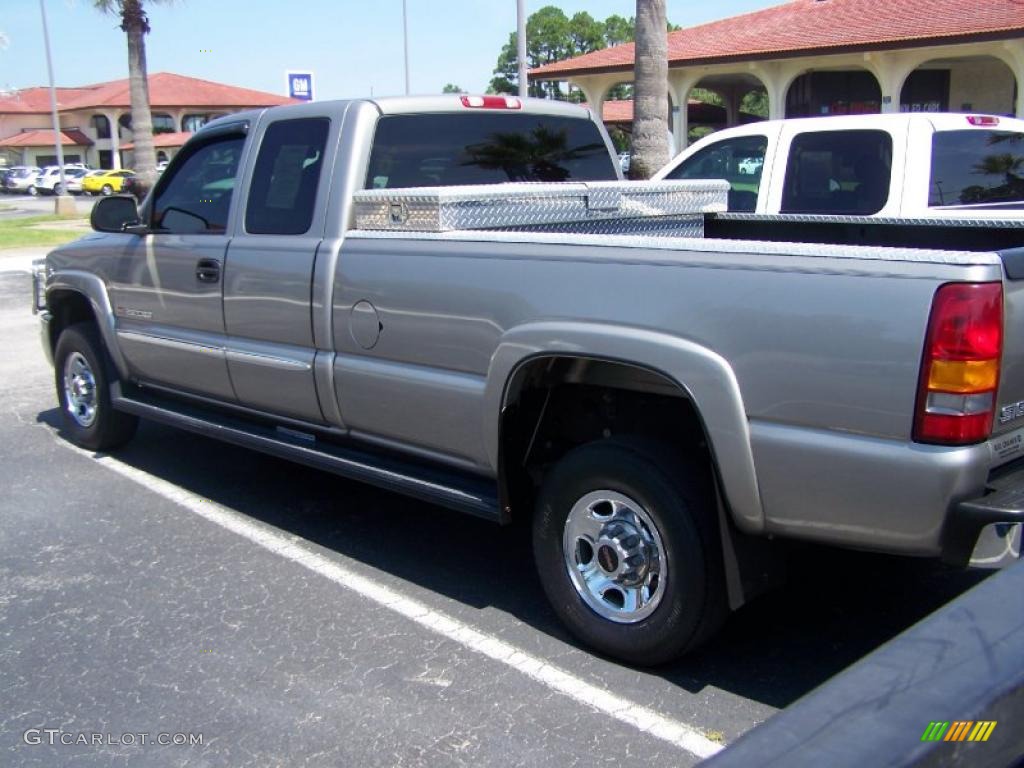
x=664, y=390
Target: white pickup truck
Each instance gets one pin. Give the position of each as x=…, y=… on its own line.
x=886, y=166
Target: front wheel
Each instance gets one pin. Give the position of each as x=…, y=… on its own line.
x=58, y=189
x=624, y=546
x=107, y=190
x=83, y=390
x=32, y=191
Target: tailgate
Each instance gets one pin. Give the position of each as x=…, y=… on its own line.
x=1009, y=415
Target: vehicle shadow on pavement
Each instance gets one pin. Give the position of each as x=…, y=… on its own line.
x=835, y=607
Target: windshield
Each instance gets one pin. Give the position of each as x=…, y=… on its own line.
x=458, y=148
x=981, y=168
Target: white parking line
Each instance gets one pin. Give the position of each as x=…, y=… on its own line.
x=642, y=718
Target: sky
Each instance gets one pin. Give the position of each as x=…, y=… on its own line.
x=353, y=47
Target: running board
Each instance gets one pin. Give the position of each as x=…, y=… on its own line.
x=437, y=485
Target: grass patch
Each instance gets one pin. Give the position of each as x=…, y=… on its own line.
x=25, y=233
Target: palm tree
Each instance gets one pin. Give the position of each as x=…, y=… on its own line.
x=135, y=24
x=650, y=90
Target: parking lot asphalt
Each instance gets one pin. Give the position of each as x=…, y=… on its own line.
x=21, y=206
x=182, y=586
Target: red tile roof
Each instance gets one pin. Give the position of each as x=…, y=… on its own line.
x=44, y=138
x=166, y=90
x=164, y=140
x=803, y=27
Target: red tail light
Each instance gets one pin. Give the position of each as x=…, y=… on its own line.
x=988, y=121
x=960, y=372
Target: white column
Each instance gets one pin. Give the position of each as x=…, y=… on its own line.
x=777, y=77
x=892, y=70
x=115, y=139
x=680, y=83
x=1013, y=55
x=595, y=88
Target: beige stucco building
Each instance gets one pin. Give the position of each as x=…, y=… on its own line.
x=95, y=120
x=818, y=57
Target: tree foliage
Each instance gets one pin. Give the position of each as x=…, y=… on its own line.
x=552, y=36
x=452, y=88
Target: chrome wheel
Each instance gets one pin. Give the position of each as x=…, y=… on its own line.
x=80, y=390
x=614, y=556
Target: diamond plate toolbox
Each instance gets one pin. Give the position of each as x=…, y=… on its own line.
x=524, y=205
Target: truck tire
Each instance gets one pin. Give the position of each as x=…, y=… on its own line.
x=623, y=538
x=82, y=376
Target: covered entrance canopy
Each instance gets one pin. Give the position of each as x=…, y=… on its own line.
x=820, y=57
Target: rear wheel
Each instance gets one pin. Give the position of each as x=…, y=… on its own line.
x=58, y=189
x=107, y=189
x=83, y=390
x=32, y=191
x=624, y=545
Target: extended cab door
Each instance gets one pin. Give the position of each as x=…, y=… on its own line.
x=167, y=289
x=269, y=273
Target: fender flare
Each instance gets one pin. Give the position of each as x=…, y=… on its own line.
x=703, y=375
x=95, y=291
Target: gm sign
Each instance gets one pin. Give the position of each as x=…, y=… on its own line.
x=300, y=85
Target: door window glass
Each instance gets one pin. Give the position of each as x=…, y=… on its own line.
x=840, y=172
x=194, y=196
x=286, y=176
x=739, y=161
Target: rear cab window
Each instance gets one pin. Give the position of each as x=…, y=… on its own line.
x=443, y=149
x=979, y=168
x=838, y=172
x=740, y=161
x=284, y=183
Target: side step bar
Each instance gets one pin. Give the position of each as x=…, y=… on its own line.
x=448, y=488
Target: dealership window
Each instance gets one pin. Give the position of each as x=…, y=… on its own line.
x=101, y=125
x=163, y=123
x=855, y=92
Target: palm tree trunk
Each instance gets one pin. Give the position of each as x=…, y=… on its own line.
x=135, y=25
x=650, y=90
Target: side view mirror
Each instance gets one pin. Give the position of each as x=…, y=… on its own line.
x=118, y=213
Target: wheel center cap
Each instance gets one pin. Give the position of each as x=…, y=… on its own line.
x=607, y=559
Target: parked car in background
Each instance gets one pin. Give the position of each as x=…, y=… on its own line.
x=913, y=165
x=20, y=178
x=48, y=179
x=75, y=181
x=80, y=183
x=106, y=182
x=131, y=186
x=750, y=165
